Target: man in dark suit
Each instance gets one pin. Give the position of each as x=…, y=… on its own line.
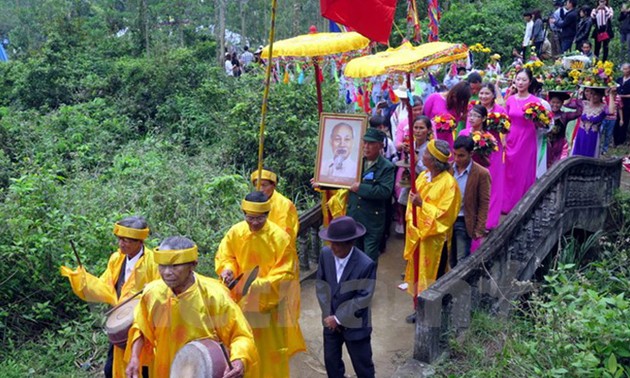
x=474, y=184
x=368, y=199
x=346, y=278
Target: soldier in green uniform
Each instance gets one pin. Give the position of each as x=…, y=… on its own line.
x=367, y=199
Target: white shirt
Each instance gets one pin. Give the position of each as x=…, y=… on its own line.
x=340, y=264
x=131, y=263
x=529, y=27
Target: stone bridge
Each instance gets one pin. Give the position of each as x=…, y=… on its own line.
x=574, y=194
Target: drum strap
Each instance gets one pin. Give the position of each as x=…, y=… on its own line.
x=121, y=277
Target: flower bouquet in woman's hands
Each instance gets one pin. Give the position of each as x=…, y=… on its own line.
x=537, y=113
x=485, y=143
x=499, y=122
x=444, y=122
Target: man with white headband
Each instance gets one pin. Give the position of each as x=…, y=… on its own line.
x=128, y=270
x=185, y=306
x=256, y=242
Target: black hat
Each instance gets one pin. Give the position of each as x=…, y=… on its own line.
x=342, y=229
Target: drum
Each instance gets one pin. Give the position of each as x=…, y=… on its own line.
x=201, y=358
x=119, y=322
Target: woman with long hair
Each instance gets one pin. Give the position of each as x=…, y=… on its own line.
x=453, y=103
x=521, y=150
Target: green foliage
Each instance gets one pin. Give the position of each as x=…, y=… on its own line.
x=575, y=326
x=494, y=23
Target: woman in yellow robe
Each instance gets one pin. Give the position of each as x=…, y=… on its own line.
x=257, y=242
x=103, y=289
x=437, y=202
x=183, y=307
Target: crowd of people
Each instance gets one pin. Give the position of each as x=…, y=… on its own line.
x=477, y=149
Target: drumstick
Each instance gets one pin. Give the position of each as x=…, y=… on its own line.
x=225, y=354
x=122, y=303
x=76, y=255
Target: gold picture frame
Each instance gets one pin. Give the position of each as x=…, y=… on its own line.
x=339, y=151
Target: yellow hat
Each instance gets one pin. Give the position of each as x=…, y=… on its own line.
x=131, y=233
x=176, y=256
x=495, y=56
x=256, y=207
x=266, y=175
x=436, y=153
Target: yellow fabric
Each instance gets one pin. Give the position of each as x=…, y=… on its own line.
x=102, y=289
x=268, y=306
x=405, y=58
x=436, y=153
x=131, y=233
x=265, y=175
x=255, y=207
x=338, y=203
x=205, y=310
x=441, y=200
x=174, y=257
x=284, y=214
x=317, y=44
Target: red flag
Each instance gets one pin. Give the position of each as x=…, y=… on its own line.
x=371, y=18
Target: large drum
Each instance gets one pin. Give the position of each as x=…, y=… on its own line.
x=119, y=322
x=201, y=358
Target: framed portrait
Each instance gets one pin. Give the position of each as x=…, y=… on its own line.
x=339, y=152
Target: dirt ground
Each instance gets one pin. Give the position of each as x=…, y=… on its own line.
x=392, y=338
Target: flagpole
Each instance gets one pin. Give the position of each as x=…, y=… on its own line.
x=263, y=112
x=412, y=172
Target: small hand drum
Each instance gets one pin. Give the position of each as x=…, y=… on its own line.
x=201, y=358
x=119, y=322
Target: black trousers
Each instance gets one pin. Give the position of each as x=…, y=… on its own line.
x=360, y=354
x=109, y=364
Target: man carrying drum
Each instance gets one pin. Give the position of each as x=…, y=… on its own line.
x=258, y=244
x=284, y=214
x=183, y=307
x=128, y=270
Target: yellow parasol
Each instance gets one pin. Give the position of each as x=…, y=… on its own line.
x=405, y=58
x=317, y=44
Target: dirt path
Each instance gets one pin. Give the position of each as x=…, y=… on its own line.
x=392, y=338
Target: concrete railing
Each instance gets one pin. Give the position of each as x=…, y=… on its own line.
x=576, y=193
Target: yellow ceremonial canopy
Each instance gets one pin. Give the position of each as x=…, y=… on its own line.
x=317, y=44
x=405, y=58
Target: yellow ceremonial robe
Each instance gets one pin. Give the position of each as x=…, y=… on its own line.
x=441, y=200
x=205, y=310
x=266, y=306
x=103, y=289
x=284, y=214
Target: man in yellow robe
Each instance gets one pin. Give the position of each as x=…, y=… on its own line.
x=284, y=214
x=185, y=306
x=128, y=270
x=436, y=202
x=258, y=242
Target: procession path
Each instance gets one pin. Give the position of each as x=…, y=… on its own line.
x=392, y=338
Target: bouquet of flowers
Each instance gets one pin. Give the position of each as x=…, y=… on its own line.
x=485, y=143
x=499, y=122
x=536, y=66
x=481, y=55
x=472, y=103
x=444, y=122
x=602, y=75
x=537, y=113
